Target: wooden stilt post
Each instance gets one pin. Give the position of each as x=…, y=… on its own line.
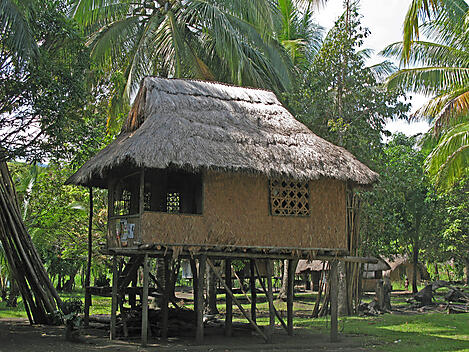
x=277, y=314
x=334, y=286
x=166, y=293
x=228, y=291
x=195, y=282
x=271, y=301
x=290, y=293
x=146, y=270
x=115, y=277
x=88, y=267
x=253, y=289
x=228, y=300
x=199, y=336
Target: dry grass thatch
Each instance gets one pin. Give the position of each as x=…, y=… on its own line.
x=381, y=265
x=200, y=125
x=309, y=265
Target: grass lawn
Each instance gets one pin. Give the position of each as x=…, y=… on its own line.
x=389, y=332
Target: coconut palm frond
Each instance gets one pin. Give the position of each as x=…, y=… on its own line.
x=108, y=43
x=90, y=12
x=430, y=80
x=420, y=10
x=382, y=70
x=15, y=32
x=445, y=109
x=450, y=159
x=429, y=54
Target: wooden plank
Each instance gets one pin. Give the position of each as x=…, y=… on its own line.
x=334, y=287
x=115, y=278
x=246, y=315
x=253, y=289
x=228, y=300
x=199, y=335
x=270, y=298
x=144, y=298
x=166, y=293
x=88, y=266
x=290, y=293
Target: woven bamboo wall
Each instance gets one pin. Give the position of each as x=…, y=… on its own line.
x=236, y=212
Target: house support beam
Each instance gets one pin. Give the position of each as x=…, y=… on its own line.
x=290, y=295
x=277, y=314
x=270, y=298
x=228, y=300
x=252, y=284
x=88, y=266
x=166, y=293
x=228, y=291
x=146, y=270
x=199, y=334
x=115, y=277
x=334, y=287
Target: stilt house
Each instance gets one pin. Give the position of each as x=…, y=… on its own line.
x=201, y=164
x=207, y=170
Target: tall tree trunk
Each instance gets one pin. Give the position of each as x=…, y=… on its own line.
x=283, y=290
x=342, y=288
x=160, y=277
x=437, y=273
x=211, y=306
x=466, y=269
x=415, y=267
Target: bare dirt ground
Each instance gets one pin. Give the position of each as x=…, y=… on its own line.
x=17, y=335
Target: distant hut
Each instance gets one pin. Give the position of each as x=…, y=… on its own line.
x=310, y=272
x=402, y=267
x=206, y=170
x=372, y=272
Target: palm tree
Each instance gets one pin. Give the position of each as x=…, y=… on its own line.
x=230, y=41
x=441, y=71
x=15, y=34
x=299, y=35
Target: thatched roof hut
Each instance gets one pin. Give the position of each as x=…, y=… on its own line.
x=381, y=265
x=401, y=267
x=204, y=164
x=197, y=125
x=305, y=265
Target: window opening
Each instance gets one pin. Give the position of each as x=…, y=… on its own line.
x=173, y=191
x=126, y=194
x=289, y=198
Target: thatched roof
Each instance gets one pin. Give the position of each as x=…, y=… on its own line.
x=381, y=265
x=309, y=265
x=202, y=125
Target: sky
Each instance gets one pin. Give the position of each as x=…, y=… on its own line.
x=384, y=18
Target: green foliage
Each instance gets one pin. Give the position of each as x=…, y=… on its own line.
x=16, y=35
x=341, y=99
x=439, y=68
x=57, y=217
x=43, y=100
x=298, y=34
x=227, y=41
x=449, y=160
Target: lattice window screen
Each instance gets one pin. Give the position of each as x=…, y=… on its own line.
x=172, y=202
x=289, y=198
x=147, y=201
